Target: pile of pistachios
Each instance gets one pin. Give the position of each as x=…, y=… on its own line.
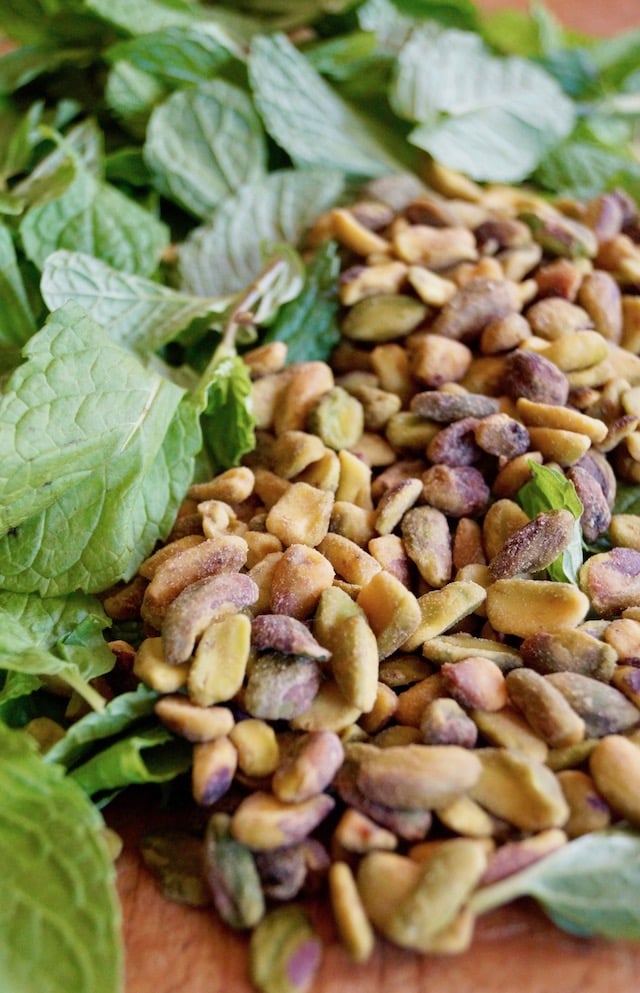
x=402, y=679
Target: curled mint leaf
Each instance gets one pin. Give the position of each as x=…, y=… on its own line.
x=549, y=489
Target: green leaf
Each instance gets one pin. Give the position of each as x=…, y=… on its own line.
x=502, y=113
x=94, y=728
x=17, y=323
x=75, y=405
x=179, y=54
x=100, y=460
x=93, y=217
x=228, y=422
x=225, y=255
x=18, y=139
x=144, y=15
x=310, y=120
x=342, y=56
x=61, y=927
x=137, y=313
x=452, y=13
x=54, y=637
x=627, y=499
x=549, y=489
x=131, y=95
x=203, y=143
x=21, y=66
x=151, y=756
x=586, y=886
x=583, y=169
x=308, y=324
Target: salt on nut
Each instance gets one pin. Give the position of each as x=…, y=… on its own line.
x=524, y=607
x=193, y=722
x=391, y=609
x=353, y=925
x=475, y=682
x=280, y=687
x=349, y=561
x=305, y=383
x=354, y=661
x=589, y=810
x=554, y=416
x=519, y=790
x=569, y=650
x=602, y=707
x=444, y=722
x=503, y=519
x=153, y=670
x=213, y=769
x=231, y=486
x=301, y=515
x=545, y=708
x=354, y=485
x=383, y=317
x=418, y=776
x=427, y=541
x=435, y=360
x=528, y=374
x=394, y=503
x=534, y=546
x=220, y=660
x=309, y=767
x=225, y=553
x=441, y=609
x=458, y=491
x=262, y=821
x=611, y=580
x=199, y=604
x=477, y=303
x=508, y=729
x=299, y=576
x=615, y=766
x=257, y=746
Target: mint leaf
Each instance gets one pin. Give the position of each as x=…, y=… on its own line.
x=87, y=733
x=178, y=54
x=584, y=169
x=225, y=255
x=52, y=637
x=310, y=120
x=203, y=143
x=17, y=323
x=95, y=477
x=228, y=422
x=93, y=217
x=627, y=499
x=137, y=313
x=549, y=489
x=131, y=94
x=150, y=756
x=308, y=324
x=61, y=928
x=74, y=405
x=502, y=113
x=583, y=886
x=144, y=15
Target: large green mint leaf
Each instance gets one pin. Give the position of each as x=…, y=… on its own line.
x=137, y=313
x=84, y=735
x=314, y=125
x=203, y=143
x=225, y=255
x=17, y=323
x=59, y=916
x=93, y=217
x=76, y=404
x=502, y=113
x=180, y=54
x=99, y=531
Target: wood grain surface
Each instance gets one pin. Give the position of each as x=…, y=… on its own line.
x=175, y=949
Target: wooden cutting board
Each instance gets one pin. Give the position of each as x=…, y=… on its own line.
x=175, y=949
